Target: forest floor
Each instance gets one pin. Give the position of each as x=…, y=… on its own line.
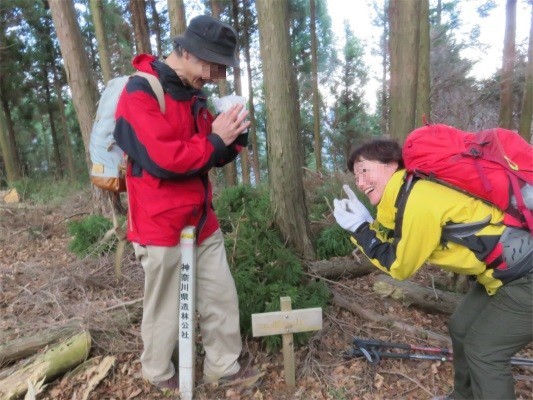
x=42, y=284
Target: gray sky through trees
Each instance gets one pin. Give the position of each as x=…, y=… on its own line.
x=360, y=14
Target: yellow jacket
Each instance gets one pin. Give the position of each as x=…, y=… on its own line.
x=429, y=207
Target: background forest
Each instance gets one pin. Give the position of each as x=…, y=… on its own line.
x=273, y=202
x=57, y=56
x=41, y=133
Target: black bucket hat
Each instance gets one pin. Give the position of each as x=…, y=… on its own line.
x=210, y=39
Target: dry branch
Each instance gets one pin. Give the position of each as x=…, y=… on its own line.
x=431, y=300
x=360, y=311
x=52, y=363
x=98, y=373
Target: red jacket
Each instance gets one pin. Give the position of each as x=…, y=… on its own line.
x=169, y=156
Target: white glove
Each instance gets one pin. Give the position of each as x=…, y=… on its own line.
x=350, y=213
x=345, y=217
x=356, y=205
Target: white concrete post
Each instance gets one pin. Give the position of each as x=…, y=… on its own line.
x=187, y=313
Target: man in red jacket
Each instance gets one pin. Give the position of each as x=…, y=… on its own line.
x=169, y=157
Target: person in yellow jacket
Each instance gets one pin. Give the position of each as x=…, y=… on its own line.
x=420, y=221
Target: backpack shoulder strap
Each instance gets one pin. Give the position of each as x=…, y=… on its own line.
x=409, y=180
x=463, y=234
x=155, y=84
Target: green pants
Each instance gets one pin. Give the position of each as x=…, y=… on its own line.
x=486, y=332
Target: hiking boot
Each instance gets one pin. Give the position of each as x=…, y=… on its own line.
x=246, y=378
x=171, y=383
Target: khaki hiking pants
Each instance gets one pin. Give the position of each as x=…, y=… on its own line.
x=486, y=332
x=216, y=302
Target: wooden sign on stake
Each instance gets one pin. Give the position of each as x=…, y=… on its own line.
x=287, y=322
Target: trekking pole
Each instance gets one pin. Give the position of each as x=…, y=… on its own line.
x=187, y=313
x=373, y=351
x=375, y=356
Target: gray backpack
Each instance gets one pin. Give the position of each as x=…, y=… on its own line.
x=108, y=160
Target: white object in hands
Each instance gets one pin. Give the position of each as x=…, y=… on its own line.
x=187, y=313
x=346, y=217
x=223, y=104
x=356, y=205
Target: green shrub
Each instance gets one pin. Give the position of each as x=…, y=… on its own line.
x=87, y=235
x=320, y=195
x=264, y=268
x=333, y=241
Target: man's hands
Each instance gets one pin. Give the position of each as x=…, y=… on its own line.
x=230, y=124
x=350, y=213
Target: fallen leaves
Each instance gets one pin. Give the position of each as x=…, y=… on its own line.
x=36, y=282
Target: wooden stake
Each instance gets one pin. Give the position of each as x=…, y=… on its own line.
x=288, y=347
x=287, y=322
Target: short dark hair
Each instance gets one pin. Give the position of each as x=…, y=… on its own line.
x=178, y=50
x=382, y=150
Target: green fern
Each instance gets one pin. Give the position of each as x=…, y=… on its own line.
x=87, y=234
x=263, y=267
x=333, y=242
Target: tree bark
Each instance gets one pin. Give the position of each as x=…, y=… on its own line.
x=47, y=366
x=423, y=83
x=97, y=11
x=64, y=126
x=9, y=134
x=506, y=82
x=431, y=300
x=51, y=118
x=404, y=46
x=176, y=14
x=384, y=120
x=340, y=267
x=364, y=313
x=8, y=145
x=46, y=144
x=12, y=172
x=230, y=170
x=317, y=142
x=67, y=146
x=526, y=114
x=79, y=74
x=156, y=26
x=245, y=163
x=284, y=142
x=80, y=78
x=252, y=136
x=140, y=26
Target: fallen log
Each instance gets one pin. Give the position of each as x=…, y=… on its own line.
x=368, y=315
x=337, y=267
x=410, y=293
x=55, y=361
x=121, y=315
x=26, y=346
